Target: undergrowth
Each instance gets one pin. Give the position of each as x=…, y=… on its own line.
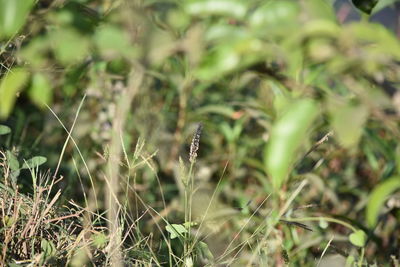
x=37, y=230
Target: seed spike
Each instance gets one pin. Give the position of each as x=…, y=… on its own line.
x=194, y=146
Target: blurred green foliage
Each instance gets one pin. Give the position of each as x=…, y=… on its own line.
x=267, y=78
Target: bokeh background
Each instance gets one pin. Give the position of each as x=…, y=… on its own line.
x=267, y=79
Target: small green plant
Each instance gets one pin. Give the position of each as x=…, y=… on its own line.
x=187, y=178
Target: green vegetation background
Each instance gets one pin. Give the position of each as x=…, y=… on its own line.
x=268, y=80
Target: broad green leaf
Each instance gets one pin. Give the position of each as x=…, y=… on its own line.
x=231, y=56
x=11, y=84
x=382, y=43
x=276, y=15
x=287, y=135
x=358, y=238
x=320, y=28
x=13, y=15
x=378, y=197
x=34, y=162
x=217, y=109
x=40, y=92
x=347, y=121
x=218, y=62
x=175, y=230
x=69, y=46
x=4, y=129
x=232, y=8
x=222, y=33
x=112, y=41
x=319, y=10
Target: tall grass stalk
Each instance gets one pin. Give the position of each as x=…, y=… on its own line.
x=189, y=187
x=77, y=149
x=113, y=165
x=188, y=183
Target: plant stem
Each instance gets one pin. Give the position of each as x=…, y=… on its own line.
x=360, y=261
x=189, y=186
x=328, y=219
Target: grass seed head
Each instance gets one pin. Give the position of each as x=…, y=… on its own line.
x=194, y=146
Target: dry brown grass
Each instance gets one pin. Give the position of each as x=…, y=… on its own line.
x=35, y=231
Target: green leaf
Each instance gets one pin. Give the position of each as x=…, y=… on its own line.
x=40, y=92
x=4, y=129
x=232, y=8
x=14, y=176
x=13, y=15
x=287, y=135
x=217, y=109
x=10, y=85
x=227, y=131
x=347, y=121
x=350, y=261
x=48, y=249
x=383, y=4
x=276, y=14
x=9, y=221
x=365, y=6
x=12, y=161
x=220, y=61
x=69, y=46
x=231, y=55
x=382, y=43
x=358, y=238
x=34, y=162
x=189, y=224
x=99, y=240
x=112, y=42
x=175, y=230
x=35, y=52
x=378, y=197
x=320, y=10
x=204, y=251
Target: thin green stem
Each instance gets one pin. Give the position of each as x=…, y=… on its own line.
x=328, y=219
x=186, y=201
x=189, y=187
x=360, y=261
